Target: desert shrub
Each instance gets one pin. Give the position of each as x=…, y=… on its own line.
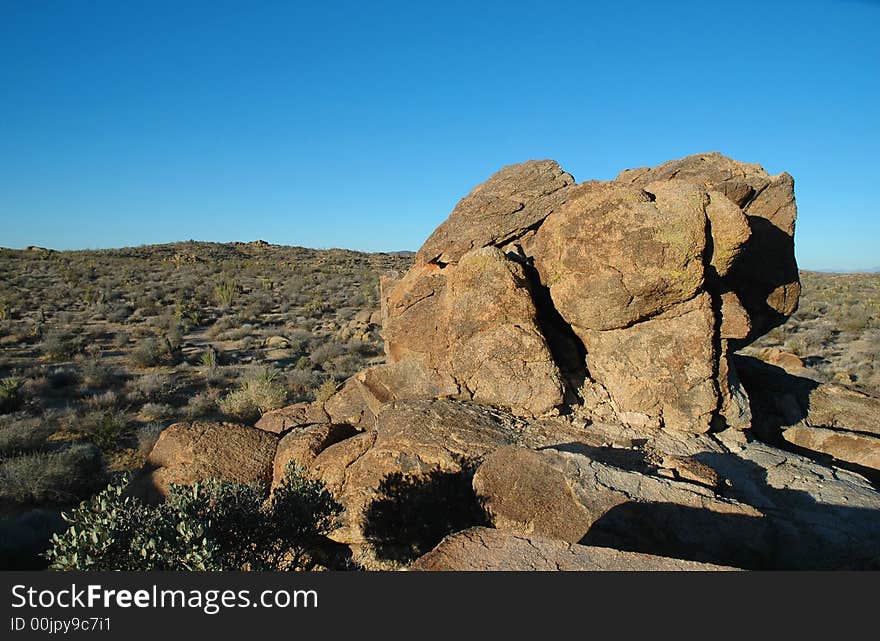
x=104, y=428
x=58, y=476
x=24, y=434
x=797, y=346
x=201, y=404
x=214, y=525
x=325, y=390
x=96, y=374
x=302, y=383
x=147, y=435
x=148, y=353
x=149, y=387
x=60, y=344
x=236, y=333
x=326, y=352
x=11, y=397
x=156, y=411
x=118, y=313
x=107, y=400
x=261, y=389
x=188, y=313
x=210, y=358
x=225, y=292
x=344, y=366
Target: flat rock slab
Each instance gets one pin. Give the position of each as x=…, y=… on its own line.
x=286, y=418
x=487, y=549
x=859, y=449
x=611, y=498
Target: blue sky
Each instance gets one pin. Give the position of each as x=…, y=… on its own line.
x=361, y=124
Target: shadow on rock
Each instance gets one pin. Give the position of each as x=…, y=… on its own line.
x=681, y=532
x=797, y=532
x=780, y=400
x=630, y=460
x=806, y=534
x=415, y=512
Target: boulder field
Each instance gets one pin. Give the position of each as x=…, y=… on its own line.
x=561, y=387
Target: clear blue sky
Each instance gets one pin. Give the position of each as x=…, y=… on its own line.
x=361, y=124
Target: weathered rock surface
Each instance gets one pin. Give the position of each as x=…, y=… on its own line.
x=620, y=297
x=474, y=331
x=483, y=549
x=858, y=449
x=822, y=517
x=301, y=446
x=797, y=410
x=499, y=210
x=579, y=499
x=726, y=501
x=764, y=276
x=281, y=420
x=412, y=438
x=190, y=452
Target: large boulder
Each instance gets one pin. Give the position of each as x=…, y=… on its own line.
x=474, y=331
x=729, y=501
x=484, y=549
x=861, y=450
x=506, y=206
x=825, y=419
x=190, y=452
x=764, y=276
x=301, y=446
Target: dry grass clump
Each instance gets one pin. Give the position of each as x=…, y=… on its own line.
x=51, y=477
x=261, y=390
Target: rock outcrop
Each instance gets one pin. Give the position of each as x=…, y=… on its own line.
x=621, y=298
x=559, y=365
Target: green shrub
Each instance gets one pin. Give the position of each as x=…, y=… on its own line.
x=325, y=391
x=11, y=398
x=214, y=525
x=103, y=428
x=225, y=292
x=148, y=353
x=187, y=313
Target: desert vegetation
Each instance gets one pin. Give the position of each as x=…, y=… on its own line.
x=215, y=525
x=102, y=350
